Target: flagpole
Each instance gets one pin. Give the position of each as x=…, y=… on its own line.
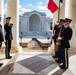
x=59, y=11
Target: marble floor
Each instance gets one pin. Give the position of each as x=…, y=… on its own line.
x=35, y=63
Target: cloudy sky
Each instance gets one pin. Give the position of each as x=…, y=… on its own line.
x=30, y=5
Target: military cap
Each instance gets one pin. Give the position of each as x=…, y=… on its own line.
x=8, y=17
x=57, y=23
x=68, y=20
x=61, y=20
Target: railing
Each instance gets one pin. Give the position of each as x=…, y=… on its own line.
x=36, y=33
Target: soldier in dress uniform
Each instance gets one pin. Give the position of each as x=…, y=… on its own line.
x=1, y=37
x=8, y=37
x=56, y=33
x=55, y=36
x=61, y=26
x=64, y=43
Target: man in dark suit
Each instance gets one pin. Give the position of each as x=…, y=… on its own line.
x=8, y=37
x=64, y=43
x=1, y=37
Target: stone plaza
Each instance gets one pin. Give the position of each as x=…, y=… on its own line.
x=30, y=61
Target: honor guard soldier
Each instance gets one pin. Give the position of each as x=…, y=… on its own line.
x=8, y=37
x=1, y=37
x=64, y=43
x=60, y=28
x=56, y=34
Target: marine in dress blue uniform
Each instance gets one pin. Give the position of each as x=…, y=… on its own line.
x=8, y=37
x=1, y=37
x=55, y=36
x=56, y=30
x=61, y=27
x=64, y=43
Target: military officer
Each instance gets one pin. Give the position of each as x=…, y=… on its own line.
x=64, y=43
x=8, y=37
x=1, y=37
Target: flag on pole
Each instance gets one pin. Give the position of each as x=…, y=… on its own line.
x=53, y=5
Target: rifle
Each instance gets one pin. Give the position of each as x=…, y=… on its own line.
x=52, y=38
x=58, y=40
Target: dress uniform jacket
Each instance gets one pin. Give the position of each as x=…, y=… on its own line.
x=56, y=29
x=1, y=35
x=66, y=36
x=8, y=30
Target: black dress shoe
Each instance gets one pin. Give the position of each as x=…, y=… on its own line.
x=1, y=64
x=58, y=61
x=55, y=57
x=63, y=67
x=9, y=57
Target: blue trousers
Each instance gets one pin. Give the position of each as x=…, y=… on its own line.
x=63, y=56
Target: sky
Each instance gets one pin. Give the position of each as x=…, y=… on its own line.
x=30, y=5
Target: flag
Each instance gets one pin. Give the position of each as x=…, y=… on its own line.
x=53, y=5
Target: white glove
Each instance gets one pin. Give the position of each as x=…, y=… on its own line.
x=52, y=34
x=59, y=38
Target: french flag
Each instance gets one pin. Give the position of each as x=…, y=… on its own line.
x=53, y=5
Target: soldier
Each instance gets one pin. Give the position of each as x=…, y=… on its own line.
x=8, y=37
x=61, y=26
x=56, y=34
x=64, y=43
x=1, y=38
